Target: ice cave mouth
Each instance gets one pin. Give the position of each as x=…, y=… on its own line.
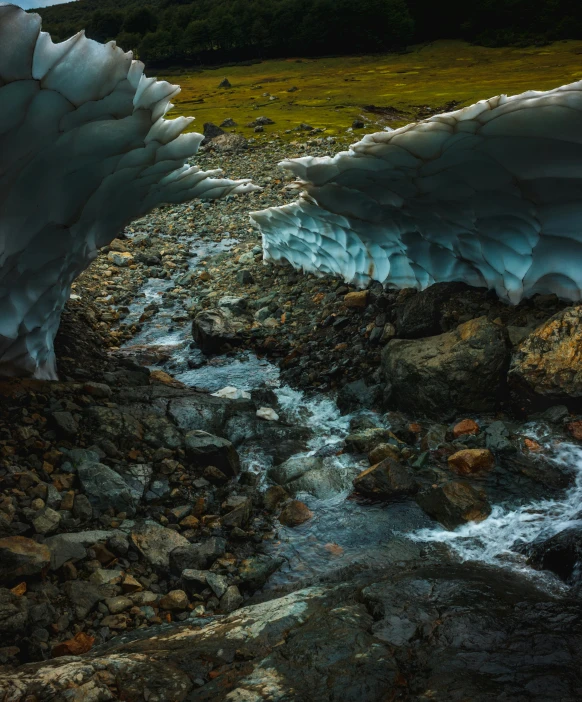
x=490, y=195
x=85, y=133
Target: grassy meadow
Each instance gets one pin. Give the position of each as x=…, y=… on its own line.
x=333, y=92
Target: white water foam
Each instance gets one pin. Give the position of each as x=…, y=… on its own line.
x=321, y=414
x=496, y=539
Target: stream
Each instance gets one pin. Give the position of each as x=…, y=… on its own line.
x=346, y=531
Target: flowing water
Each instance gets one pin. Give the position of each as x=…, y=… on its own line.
x=345, y=530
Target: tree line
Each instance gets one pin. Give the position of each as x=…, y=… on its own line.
x=216, y=31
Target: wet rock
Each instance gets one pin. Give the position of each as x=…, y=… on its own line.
x=212, y=329
x=318, y=476
x=255, y=571
x=20, y=557
x=105, y=488
x=205, y=449
x=274, y=496
x=382, y=451
x=238, y=510
x=358, y=395
x=387, y=480
x=156, y=543
x=268, y=414
x=547, y=367
x=454, y=503
x=421, y=313
x=295, y=513
x=368, y=439
x=561, y=554
x=497, y=438
x=458, y=371
x=470, y=461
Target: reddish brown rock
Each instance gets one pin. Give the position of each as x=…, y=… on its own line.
x=575, y=428
x=80, y=643
x=465, y=427
x=356, y=299
x=469, y=461
x=455, y=503
x=295, y=513
x=547, y=365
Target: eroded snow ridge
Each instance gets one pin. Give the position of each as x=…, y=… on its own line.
x=84, y=149
x=490, y=195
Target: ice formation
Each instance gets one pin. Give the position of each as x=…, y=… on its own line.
x=84, y=149
x=490, y=195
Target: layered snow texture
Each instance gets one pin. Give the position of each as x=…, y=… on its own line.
x=490, y=195
x=84, y=149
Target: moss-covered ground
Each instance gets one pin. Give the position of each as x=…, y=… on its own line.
x=333, y=92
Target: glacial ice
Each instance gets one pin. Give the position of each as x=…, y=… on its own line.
x=490, y=195
x=84, y=149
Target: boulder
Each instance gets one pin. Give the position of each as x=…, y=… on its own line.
x=295, y=513
x=420, y=314
x=358, y=395
x=197, y=556
x=454, y=503
x=561, y=554
x=73, y=547
x=20, y=557
x=462, y=370
x=318, y=476
x=226, y=143
x=214, y=328
x=205, y=449
x=387, y=480
x=470, y=461
x=255, y=571
x=156, y=543
x=105, y=488
x=546, y=368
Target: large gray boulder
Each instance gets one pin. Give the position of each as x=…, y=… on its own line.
x=460, y=371
x=448, y=632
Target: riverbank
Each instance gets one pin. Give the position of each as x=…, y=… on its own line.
x=136, y=525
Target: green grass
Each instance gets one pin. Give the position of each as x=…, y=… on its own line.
x=332, y=91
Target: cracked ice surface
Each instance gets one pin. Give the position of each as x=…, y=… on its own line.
x=84, y=149
x=490, y=195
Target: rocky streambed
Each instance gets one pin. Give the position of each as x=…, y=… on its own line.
x=382, y=504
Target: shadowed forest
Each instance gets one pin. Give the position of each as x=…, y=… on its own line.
x=206, y=32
